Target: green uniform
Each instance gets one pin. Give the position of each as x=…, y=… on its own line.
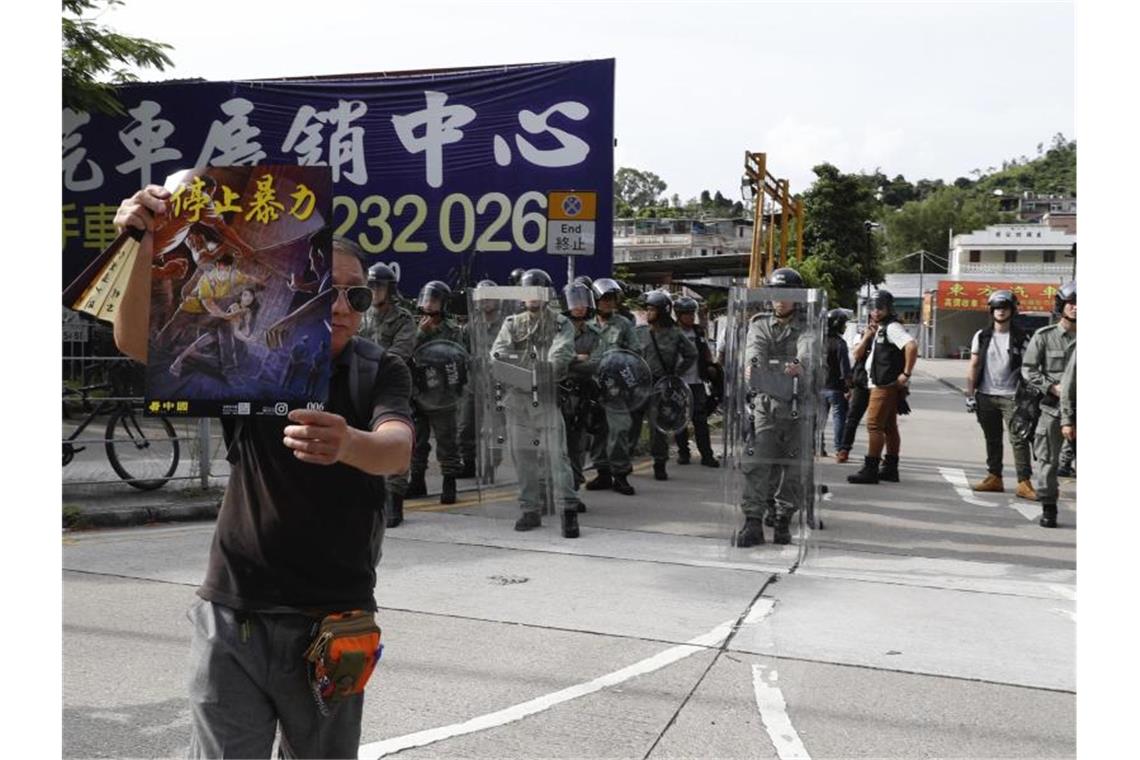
x=394, y=330
x=587, y=340
x=443, y=421
x=536, y=434
x=776, y=466
x=667, y=352
x=612, y=451
x=1069, y=391
x=1042, y=367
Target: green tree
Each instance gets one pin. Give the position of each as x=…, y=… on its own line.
x=636, y=190
x=925, y=225
x=835, y=209
x=94, y=54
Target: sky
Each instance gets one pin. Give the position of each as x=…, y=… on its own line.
x=923, y=89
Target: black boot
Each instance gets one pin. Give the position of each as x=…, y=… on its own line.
x=659, y=471
x=448, y=495
x=1048, y=517
x=468, y=470
x=709, y=461
x=601, y=481
x=396, y=511
x=570, y=523
x=890, y=469
x=579, y=507
x=621, y=485
x=752, y=533
x=869, y=472
x=528, y=520
x=416, y=486
x=683, y=456
x=783, y=532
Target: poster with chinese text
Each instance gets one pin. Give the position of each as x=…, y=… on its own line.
x=239, y=310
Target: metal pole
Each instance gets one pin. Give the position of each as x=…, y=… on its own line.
x=204, y=451
x=921, y=295
x=569, y=269
x=784, y=223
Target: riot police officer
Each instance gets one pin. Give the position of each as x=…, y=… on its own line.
x=668, y=353
x=393, y=328
x=578, y=392
x=778, y=359
x=435, y=325
x=515, y=276
x=685, y=308
x=1043, y=367
x=610, y=452
x=487, y=319
x=542, y=340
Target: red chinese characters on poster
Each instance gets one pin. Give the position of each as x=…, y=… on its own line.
x=972, y=296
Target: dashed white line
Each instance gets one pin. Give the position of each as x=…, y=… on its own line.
x=957, y=478
x=774, y=715
x=712, y=639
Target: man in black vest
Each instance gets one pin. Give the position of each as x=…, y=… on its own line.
x=890, y=353
x=992, y=384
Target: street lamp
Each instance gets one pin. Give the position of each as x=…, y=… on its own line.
x=868, y=225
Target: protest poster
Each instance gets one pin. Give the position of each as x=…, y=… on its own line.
x=240, y=300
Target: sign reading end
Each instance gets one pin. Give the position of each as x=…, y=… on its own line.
x=570, y=223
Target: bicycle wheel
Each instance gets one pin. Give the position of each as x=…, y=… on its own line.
x=143, y=451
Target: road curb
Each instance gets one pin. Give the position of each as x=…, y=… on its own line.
x=145, y=515
x=946, y=382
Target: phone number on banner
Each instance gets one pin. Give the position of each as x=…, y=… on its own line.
x=493, y=222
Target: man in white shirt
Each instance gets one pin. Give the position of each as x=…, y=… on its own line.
x=992, y=384
x=890, y=353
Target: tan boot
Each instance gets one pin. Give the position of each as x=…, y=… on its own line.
x=1025, y=490
x=991, y=484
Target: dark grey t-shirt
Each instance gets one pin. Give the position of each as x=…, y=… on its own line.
x=293, y=535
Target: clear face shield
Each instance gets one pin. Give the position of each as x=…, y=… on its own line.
x=429, y=303
x=579, y=301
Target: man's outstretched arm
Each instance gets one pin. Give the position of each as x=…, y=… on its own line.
x=133, y=315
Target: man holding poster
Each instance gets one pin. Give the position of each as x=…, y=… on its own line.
x=298, y=536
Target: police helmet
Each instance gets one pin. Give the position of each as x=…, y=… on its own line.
x=785, y=277
x=381, y=272
x=604, y=286
x=659, y=300
x=576, y=295
x=882, y=299
x=515, y=275
x=433, y=295
x=585, y=280
x=837, y=320
x=1067, y=294
x=685, y=305
x=1002, y=299
x=535, y=278
x=486, y=284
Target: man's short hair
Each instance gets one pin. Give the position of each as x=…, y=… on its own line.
x=349, y=248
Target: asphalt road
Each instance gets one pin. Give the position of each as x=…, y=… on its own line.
x=923, y=621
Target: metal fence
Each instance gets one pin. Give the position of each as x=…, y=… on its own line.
x=97, y=381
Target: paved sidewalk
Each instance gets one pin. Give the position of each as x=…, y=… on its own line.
x=949, y=372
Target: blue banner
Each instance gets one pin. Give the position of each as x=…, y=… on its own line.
x=442, y=174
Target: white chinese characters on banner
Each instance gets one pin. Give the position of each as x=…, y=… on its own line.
x=441, y=126
x=346, y=144
x=145, y=139
x=572, y=151
x=232, y=143
x=75, y=156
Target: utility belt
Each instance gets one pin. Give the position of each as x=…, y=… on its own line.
x=345, y=649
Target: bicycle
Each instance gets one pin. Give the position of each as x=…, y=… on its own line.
x=144, y=453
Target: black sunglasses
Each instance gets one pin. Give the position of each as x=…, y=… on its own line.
x=359, y=297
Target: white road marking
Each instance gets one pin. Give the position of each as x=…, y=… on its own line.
x=1065, y=592
x=1028, y=509
x=774, y=715
x=1067, y=613
x=710, y=640
x=957, y=478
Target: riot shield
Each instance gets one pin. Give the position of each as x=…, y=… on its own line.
x=773, y=376
x=439, y=375
x=518, y=369
x=625, y=381
x=671, y=405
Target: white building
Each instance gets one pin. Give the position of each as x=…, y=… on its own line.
x=1032, y=260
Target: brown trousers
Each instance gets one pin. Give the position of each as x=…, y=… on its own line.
x=883, y=421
